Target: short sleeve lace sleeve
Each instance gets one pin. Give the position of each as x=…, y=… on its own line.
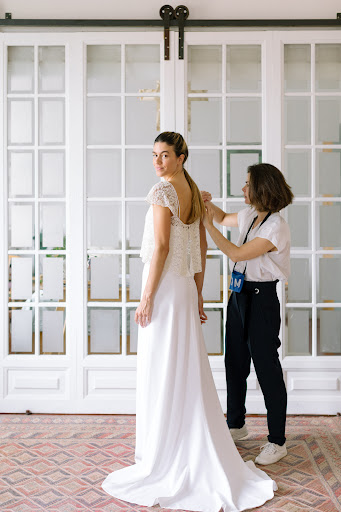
x=163, y=194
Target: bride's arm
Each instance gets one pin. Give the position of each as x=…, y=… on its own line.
x=162, y=226
x=199, y=277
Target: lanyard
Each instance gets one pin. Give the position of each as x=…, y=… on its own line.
x=247, y=234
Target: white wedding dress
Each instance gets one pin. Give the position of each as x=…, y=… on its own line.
x=185, y=456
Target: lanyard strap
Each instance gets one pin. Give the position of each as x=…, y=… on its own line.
x=247, y=234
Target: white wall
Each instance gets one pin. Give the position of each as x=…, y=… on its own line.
x=149, y=9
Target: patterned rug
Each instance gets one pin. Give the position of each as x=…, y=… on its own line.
x=56, y=463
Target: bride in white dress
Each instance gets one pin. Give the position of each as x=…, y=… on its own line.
x=185, y=456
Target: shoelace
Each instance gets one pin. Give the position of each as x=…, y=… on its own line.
x=268, y=448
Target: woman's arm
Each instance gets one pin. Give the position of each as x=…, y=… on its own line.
x=248, y=251
x=162, y=227
x=220, y=217
x=199, y=277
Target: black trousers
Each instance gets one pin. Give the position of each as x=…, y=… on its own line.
x=252, y=328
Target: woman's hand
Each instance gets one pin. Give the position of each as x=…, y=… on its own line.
x=206, y=196
x=202, y=314
x=208, y=217
x=143, y=314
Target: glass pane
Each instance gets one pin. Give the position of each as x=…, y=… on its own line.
x=20, y=122
x=328, y=120
x=52, y=174
x=104, y=68
x=213, y=283
x=134, y=278
x=52, y=226
x=140, y=173
x=297, y=58
x=53, y=331
x=297, y=120
x=142, y=119
x=204, y=69
x=329, y=289
x=244, y=121
x=51, y=69
x=299, y=282
x=136, y=213
x=299, y=219
x=328, y=167
x=103, y=121
x=213, y=331
x=104, y=331
x=237, y=164
x=51, y=125
x=205, y=167
x=330, y=225
x=328, y=67
x=328, y=331
x=20, y=74
x=142, y=68
x=204, y=121
x=298, y=171
x=21, y=331
x=21, y=277
x=104, y=226
x=52, y=277
x=243, y=68
x=21, y=221
x=21, y=173
x=103, y=173
x=105, y=277
x=132, y=332
x=299, y=324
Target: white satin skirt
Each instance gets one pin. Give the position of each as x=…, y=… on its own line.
x=185, y=456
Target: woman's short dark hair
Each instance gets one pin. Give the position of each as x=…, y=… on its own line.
x=268, y=190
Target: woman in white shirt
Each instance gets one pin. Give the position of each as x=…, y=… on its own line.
x=260, y=259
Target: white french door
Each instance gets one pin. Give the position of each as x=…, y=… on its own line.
x=81, y=112
x=275, y=97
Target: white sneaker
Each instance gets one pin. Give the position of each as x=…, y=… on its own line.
x=238, y=433
x=271, y=453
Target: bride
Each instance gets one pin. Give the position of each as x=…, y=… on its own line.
x=185, y=456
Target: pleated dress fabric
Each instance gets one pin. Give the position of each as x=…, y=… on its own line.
x=185, y=456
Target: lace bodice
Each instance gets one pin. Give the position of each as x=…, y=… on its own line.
x=184, y=257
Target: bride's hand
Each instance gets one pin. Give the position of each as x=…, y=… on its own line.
x=206, y=196
x=143, y=314
x=202, y=314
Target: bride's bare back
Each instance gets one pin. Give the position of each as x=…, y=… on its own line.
x=184, y=193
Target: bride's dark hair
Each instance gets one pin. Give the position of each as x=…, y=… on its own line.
x=178, y=143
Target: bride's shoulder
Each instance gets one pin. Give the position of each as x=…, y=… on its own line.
x=163, y=194
x=162, y=187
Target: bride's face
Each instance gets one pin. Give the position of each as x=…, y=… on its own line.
x=165, y=161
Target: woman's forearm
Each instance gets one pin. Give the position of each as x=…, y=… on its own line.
x=219, y=214
x=227, y=247
x=199, y=277
x=245, y=252
x=155, y=271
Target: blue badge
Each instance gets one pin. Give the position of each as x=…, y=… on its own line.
x=237, y=280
